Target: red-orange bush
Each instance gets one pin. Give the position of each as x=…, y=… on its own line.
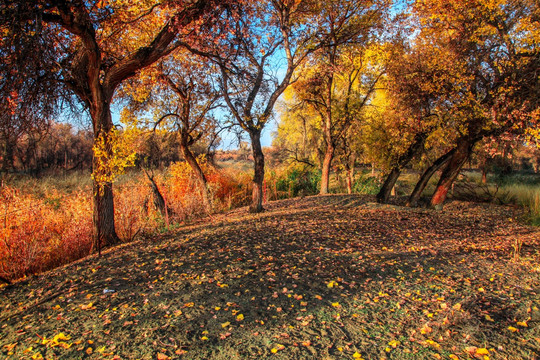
x=39, y=234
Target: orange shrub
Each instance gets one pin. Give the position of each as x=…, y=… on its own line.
x=44, y=228
x=184, y=191
x=39, y=234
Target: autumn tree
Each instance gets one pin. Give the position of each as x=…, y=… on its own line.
x=494, y=46
x=413, y=109
x=257, y=58
x=180, y=94
x=28, y=100
x=298, y=132
x=98, y=45
x=341, y=76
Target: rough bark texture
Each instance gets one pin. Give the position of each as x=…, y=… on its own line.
x=450, y=172
x=327, y=163
x=384, y=193
x=258, y=177
x=426, y=176
x=103, y=219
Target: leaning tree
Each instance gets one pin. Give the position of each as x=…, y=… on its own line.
x=495, y=49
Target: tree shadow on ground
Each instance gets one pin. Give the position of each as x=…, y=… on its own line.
x=319, y=277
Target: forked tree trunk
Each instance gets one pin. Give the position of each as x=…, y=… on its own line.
x=199, y=174
x=384, y=193
x=258, y=176
x=327, y=163
x=159, y=200
x=450, y=172
x=426, y=176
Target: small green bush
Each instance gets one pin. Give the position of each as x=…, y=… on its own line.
x=295, y=180
x=367, y=185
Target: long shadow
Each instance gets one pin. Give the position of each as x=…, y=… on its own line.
x=316, y=275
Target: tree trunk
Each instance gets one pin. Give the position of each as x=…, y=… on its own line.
x=389, y=183
x=8, y=154
x=159, y=200
x=327, y=163
x=199, y=174
x=450, y=172
x=413, y=149
x=258, y=176
x=426, y=176
x=350, y=175
x=349, y=167
x=103, y=218
x=483, y=169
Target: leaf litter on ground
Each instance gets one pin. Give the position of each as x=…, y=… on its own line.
x=332, y=277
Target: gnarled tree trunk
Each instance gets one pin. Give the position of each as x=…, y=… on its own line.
x=103, y=217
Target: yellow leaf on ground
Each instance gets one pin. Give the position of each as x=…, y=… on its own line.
x=225, y=324
x=61, y=337
x=513, y=329
x=331, y=284
x=482, y=351
x=434, y=344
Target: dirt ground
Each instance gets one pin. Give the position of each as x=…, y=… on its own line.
x=324, y=277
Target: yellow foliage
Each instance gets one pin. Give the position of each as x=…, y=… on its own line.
x=114, y=152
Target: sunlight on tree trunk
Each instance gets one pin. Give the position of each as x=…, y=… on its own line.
x=425, y=177
x=450, y=173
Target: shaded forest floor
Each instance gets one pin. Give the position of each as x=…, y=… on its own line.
x=333, y=277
